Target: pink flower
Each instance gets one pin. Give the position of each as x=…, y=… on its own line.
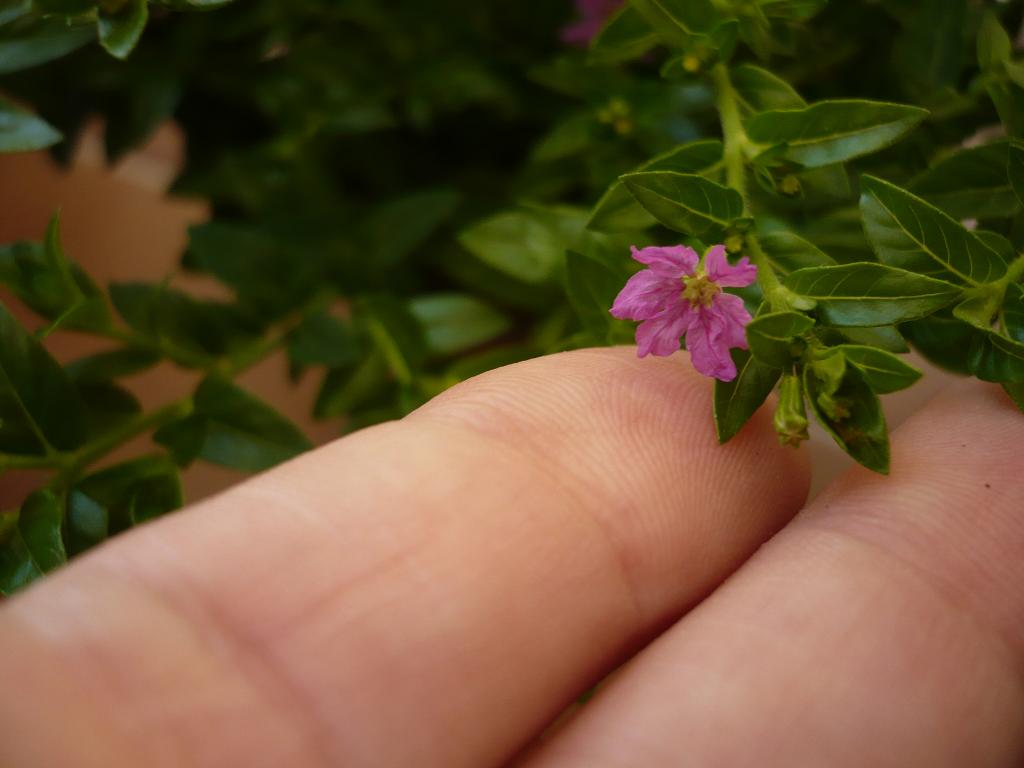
x=592, y=16
x=679, y=295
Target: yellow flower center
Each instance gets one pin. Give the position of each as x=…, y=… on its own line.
x=699, y=290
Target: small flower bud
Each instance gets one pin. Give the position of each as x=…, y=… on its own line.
x=790, y=418
x=790, y=185
x=692, y=63
x=734, y=243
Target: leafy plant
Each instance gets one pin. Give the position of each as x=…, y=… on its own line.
x=407, y=194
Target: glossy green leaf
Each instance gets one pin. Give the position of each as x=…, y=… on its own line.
x=115, y=364
x=322, y=339
x=858, y=427
x=39, y=523
x=592, y=287
x=883, y=371
x=761, y=91
x=996, y=358
x=119, y=31
x=22, y=47
x=1015, y=171
x=618, y=210
x=678, y=21
x=788, y=252
x=454, y=322
x=883, y=337
x=685, y=202
x=972, y=183
x=772, y=337
x=868, y=294
x=994, y=46
x=736, y=401
x=39, y=389
x=944, y=341
x=523, y=243
x=21, y=131
x=834, y=131
x=909, y=233
x=243, y=432
x=626, y=35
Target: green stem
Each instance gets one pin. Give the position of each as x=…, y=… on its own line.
x=1015, y=271
x=734, y=138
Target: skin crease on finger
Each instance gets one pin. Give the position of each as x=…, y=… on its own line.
x=431, y=592
x=883, y=627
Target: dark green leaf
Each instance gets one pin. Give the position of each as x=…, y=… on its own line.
x=971, y=183
x=526, y=244
x=24, y=47
x=105, y=366
x=869, y=294
x=39, y=389
x=856, y=421
x=883, y=337
x=834, y=131
x=184, y=438
x=395, y=333
x=685, y=202
x=243, y=432
x=678, y=21
x=1016, y=393
x=944, y=341
x=122, y=496
x=909, y=233
x=88, y=523
x=21, y=131
x=1009, y=101
x=930, y=52
x=995, y=358
x=322, y=339
x=617, y=210
x=994, y=46
x=17, y=568
x=626, y=35
x=39, y=523
x=592, y=287
x=345, y=390
x=1015, y=171
x=883, y=371
x=737, y=400
x=120, y=30
x=454, y=322
x=788, y=252
x=760, y=91
x=398, y=227
x=772, y=337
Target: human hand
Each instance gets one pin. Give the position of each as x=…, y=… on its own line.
x=434, y=592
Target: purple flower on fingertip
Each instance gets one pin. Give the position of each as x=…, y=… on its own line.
x=679, y=294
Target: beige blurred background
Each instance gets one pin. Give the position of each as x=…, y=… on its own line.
x=119, y=223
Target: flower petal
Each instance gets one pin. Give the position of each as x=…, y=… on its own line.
x=709, y=351
x=672, y=261
x=718, y=269
x=645, y=295
x=660, y=335
x=734, y=315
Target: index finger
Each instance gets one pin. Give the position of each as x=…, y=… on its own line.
x=429, y=592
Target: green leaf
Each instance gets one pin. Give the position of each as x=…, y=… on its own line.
x=88, y=523
x=12, y=10
x=995, y=358
x=395, y=229
x=1015, y=171
x=971, y=183
x=788, y=252
x=106, y=406
x=116, y=364
x=859, y=428
x=322, y=339
x=119, y=32
x=868, y=294
x=184, y=438
x=883, y=371
x=994, y=46
x=23, y=47
x=883, y=337
x=1009, y=102
x=834, y=131
x=243, y=432
x=122, y=496
x=685, y=202
x=454, y=322
x=39, y=390
x=1016, y=393
x=396, y=333
x=772, y=337
x=944, y=341
x=929, y=54
x=737, y=400
x=17, y=568
x=760, y=91
x=21, y=131
x=909, y=233
x=39, y=523
x=626, y=35
x=678, y=21
x=592, y=287
x=525, y=244
x=617, y=210
x=343, y=391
